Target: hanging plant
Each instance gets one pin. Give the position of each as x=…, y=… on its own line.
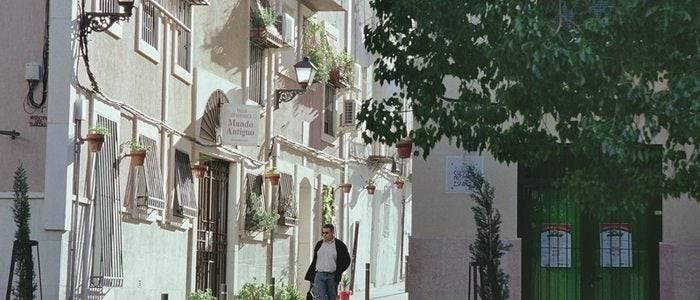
x=369, y=186
x=273, y=176
x=400, y=182
x=317, y=48
x=403, y=148
x=346, y=187
x=265, y=17
x=138, y=152
x=341, y=69
x=96, y=138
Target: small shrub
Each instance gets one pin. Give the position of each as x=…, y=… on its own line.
x=287, y=292
x=202, y=295
x=254, y=291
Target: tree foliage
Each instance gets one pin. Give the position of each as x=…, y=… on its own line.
x=488, y=249
x=605, y=78
x=25, y=286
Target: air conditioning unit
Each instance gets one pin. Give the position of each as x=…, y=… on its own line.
x=288, y=32
x=347, y=119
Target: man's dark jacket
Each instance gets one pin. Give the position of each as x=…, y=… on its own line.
x=342, y=261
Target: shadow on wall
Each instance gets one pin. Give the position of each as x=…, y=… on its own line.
x=222, y=46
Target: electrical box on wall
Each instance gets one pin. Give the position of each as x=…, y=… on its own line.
x=32, y=71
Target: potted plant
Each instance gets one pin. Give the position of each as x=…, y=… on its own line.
x=263, y=30
x=341, y=69
x=96, y=138
x=317, y=48
x=345, y=291
x=138, y=152
x=272, y=175
x=369, y=186
x=346, y=187
x=254, y=291
x=199, y=170
x=400, y=182
x=257, y=219
x=287, y=292
x=403, y=148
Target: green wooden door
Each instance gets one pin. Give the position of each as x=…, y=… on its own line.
x=570, y=254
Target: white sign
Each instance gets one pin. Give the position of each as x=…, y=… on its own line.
x=456, y=174
x=555, y=246
x=615, y=245
x=239, y=124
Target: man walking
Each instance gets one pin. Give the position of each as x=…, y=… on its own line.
x=331, y=259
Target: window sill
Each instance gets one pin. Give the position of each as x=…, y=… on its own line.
x=182, y=74
x=148, y=51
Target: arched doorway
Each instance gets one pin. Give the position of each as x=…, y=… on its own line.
x=306, y=238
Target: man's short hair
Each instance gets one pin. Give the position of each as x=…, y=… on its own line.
x=329, y=226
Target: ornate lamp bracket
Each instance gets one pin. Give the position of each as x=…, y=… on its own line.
x=286, y=95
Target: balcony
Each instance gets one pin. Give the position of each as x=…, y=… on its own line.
x=323, y=5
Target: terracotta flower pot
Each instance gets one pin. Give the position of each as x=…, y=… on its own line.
x=370, y=189
x=137, y=157
x=95, y=141
x=344, y=295
x=346, y=187
x=399, y=184
x=199, y=170
x=403, y=148
x=273, y=178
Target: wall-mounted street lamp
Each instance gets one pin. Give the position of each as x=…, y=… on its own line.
x=101, y=21
x=305, y=72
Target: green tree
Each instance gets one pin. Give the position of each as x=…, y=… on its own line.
x=487, y=249
x=24, y=268
x=604, y=78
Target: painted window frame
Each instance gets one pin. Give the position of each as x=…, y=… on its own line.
x=183, y=73
x=149, y=51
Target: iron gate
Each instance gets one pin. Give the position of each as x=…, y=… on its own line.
x=569, y=253
x=211, y=230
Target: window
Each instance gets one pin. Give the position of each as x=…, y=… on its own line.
x=329, y=111
x=149, y=24
x=256, y=74
x=185, y=203
x=107, y=269
x=183, y=35
x=254, y=198
x=286, y=205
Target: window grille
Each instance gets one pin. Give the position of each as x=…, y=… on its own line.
x=329, y=111
x=256, y=74
x=149, y=24
x=108, y=6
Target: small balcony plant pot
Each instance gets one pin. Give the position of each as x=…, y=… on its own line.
x=137, y=157
x=370, y=189
x=403, y=148
x=199, y=170
x=274, y=178
x=346, y=187
x=399, y=184
x=95, y=141
x=344, y=295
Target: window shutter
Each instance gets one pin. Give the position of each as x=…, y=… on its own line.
x=149, y=190
x=107, y=269
x=286, y=206
x=349, y=114
x=185, y=201
x=357, y=76
x=288, y=31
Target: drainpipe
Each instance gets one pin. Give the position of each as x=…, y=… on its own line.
x=344, y=138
